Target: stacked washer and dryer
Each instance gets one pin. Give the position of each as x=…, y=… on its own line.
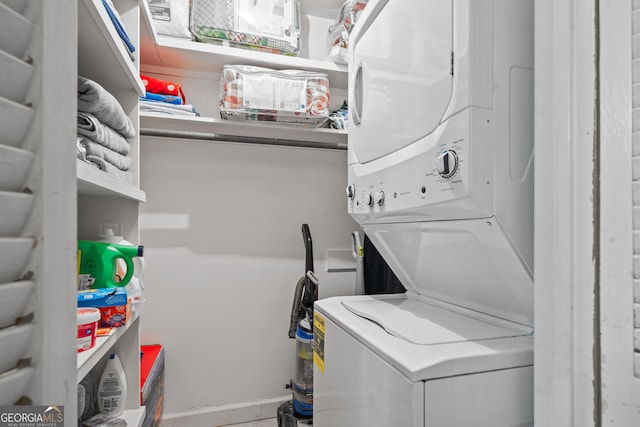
x=441, y=180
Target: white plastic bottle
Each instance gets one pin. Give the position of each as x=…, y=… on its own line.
x=112, y=389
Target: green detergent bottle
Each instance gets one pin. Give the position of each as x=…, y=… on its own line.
x=97, y=264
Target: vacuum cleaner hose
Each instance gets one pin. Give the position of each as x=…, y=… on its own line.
x=295, y=308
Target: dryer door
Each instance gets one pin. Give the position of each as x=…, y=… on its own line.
x=400, y=80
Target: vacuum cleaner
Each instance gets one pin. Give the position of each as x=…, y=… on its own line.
x=299, y=410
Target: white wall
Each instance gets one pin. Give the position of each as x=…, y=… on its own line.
x=223, y=265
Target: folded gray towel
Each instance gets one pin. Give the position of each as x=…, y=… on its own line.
x=107, y=167
x=97, y=150
x=90, y=127
x=93, y=98
x=81, y=152
x=151, y=107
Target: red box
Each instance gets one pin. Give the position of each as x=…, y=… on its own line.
x=152, y=383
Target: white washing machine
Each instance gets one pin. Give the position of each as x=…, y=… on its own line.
x=441, y=180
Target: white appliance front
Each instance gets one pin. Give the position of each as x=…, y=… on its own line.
x=441, y=114
x=440, y=174
x=441, y=368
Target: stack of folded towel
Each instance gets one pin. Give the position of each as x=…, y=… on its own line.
x=162, y=96
x=103, y=129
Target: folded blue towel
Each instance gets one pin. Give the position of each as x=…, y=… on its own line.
x=169, y=99
x=115, y=19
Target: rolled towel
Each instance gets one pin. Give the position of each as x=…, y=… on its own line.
x=90, y=127
x=164, y=87
x=107, y=167
x=94, y=99
x=97, y=150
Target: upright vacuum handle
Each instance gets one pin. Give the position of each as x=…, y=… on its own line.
x=308, y=246
x=310, y=289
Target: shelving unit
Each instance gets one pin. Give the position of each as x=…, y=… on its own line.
x=133, y=417
x=198, y=66
x=103, y=58
x=175, y=53
x=89, y=358
x=46, y=45
x=100, y=48
x=92, y=181
x=218, y=129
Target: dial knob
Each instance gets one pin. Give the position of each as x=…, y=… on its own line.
x=351, y=191
x=378, y=198
x=447, y=163
x=370, y=201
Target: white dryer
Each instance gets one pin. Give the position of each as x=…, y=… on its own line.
x=441, y=180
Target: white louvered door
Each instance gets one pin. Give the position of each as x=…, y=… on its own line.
x=619, y=242
x=38, y=203
x=635, y=99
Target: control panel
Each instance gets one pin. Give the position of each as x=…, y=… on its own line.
x=431, y=180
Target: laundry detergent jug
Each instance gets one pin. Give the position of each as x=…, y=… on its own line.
x=97, y=264
x=113, y=233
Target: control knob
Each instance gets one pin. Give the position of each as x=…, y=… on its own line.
x=447, y=163
x=378, y=198
x=351, y=191
x=370, y=200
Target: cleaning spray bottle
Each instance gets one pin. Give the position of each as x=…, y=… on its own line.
x=97, y=264
x=112, y=233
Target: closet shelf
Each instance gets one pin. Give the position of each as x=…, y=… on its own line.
x=93, y=181
x=134, y=417
x=206, y=128
x=88, y=359
x=173, y=52
x=104, y=56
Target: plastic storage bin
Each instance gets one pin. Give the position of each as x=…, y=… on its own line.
x=152, y=383
x=338, y=38
x=87, y=319
x=267, y=25
x=288, y=96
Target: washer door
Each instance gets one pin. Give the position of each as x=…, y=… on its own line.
x=400, y=80
x=469, y=263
